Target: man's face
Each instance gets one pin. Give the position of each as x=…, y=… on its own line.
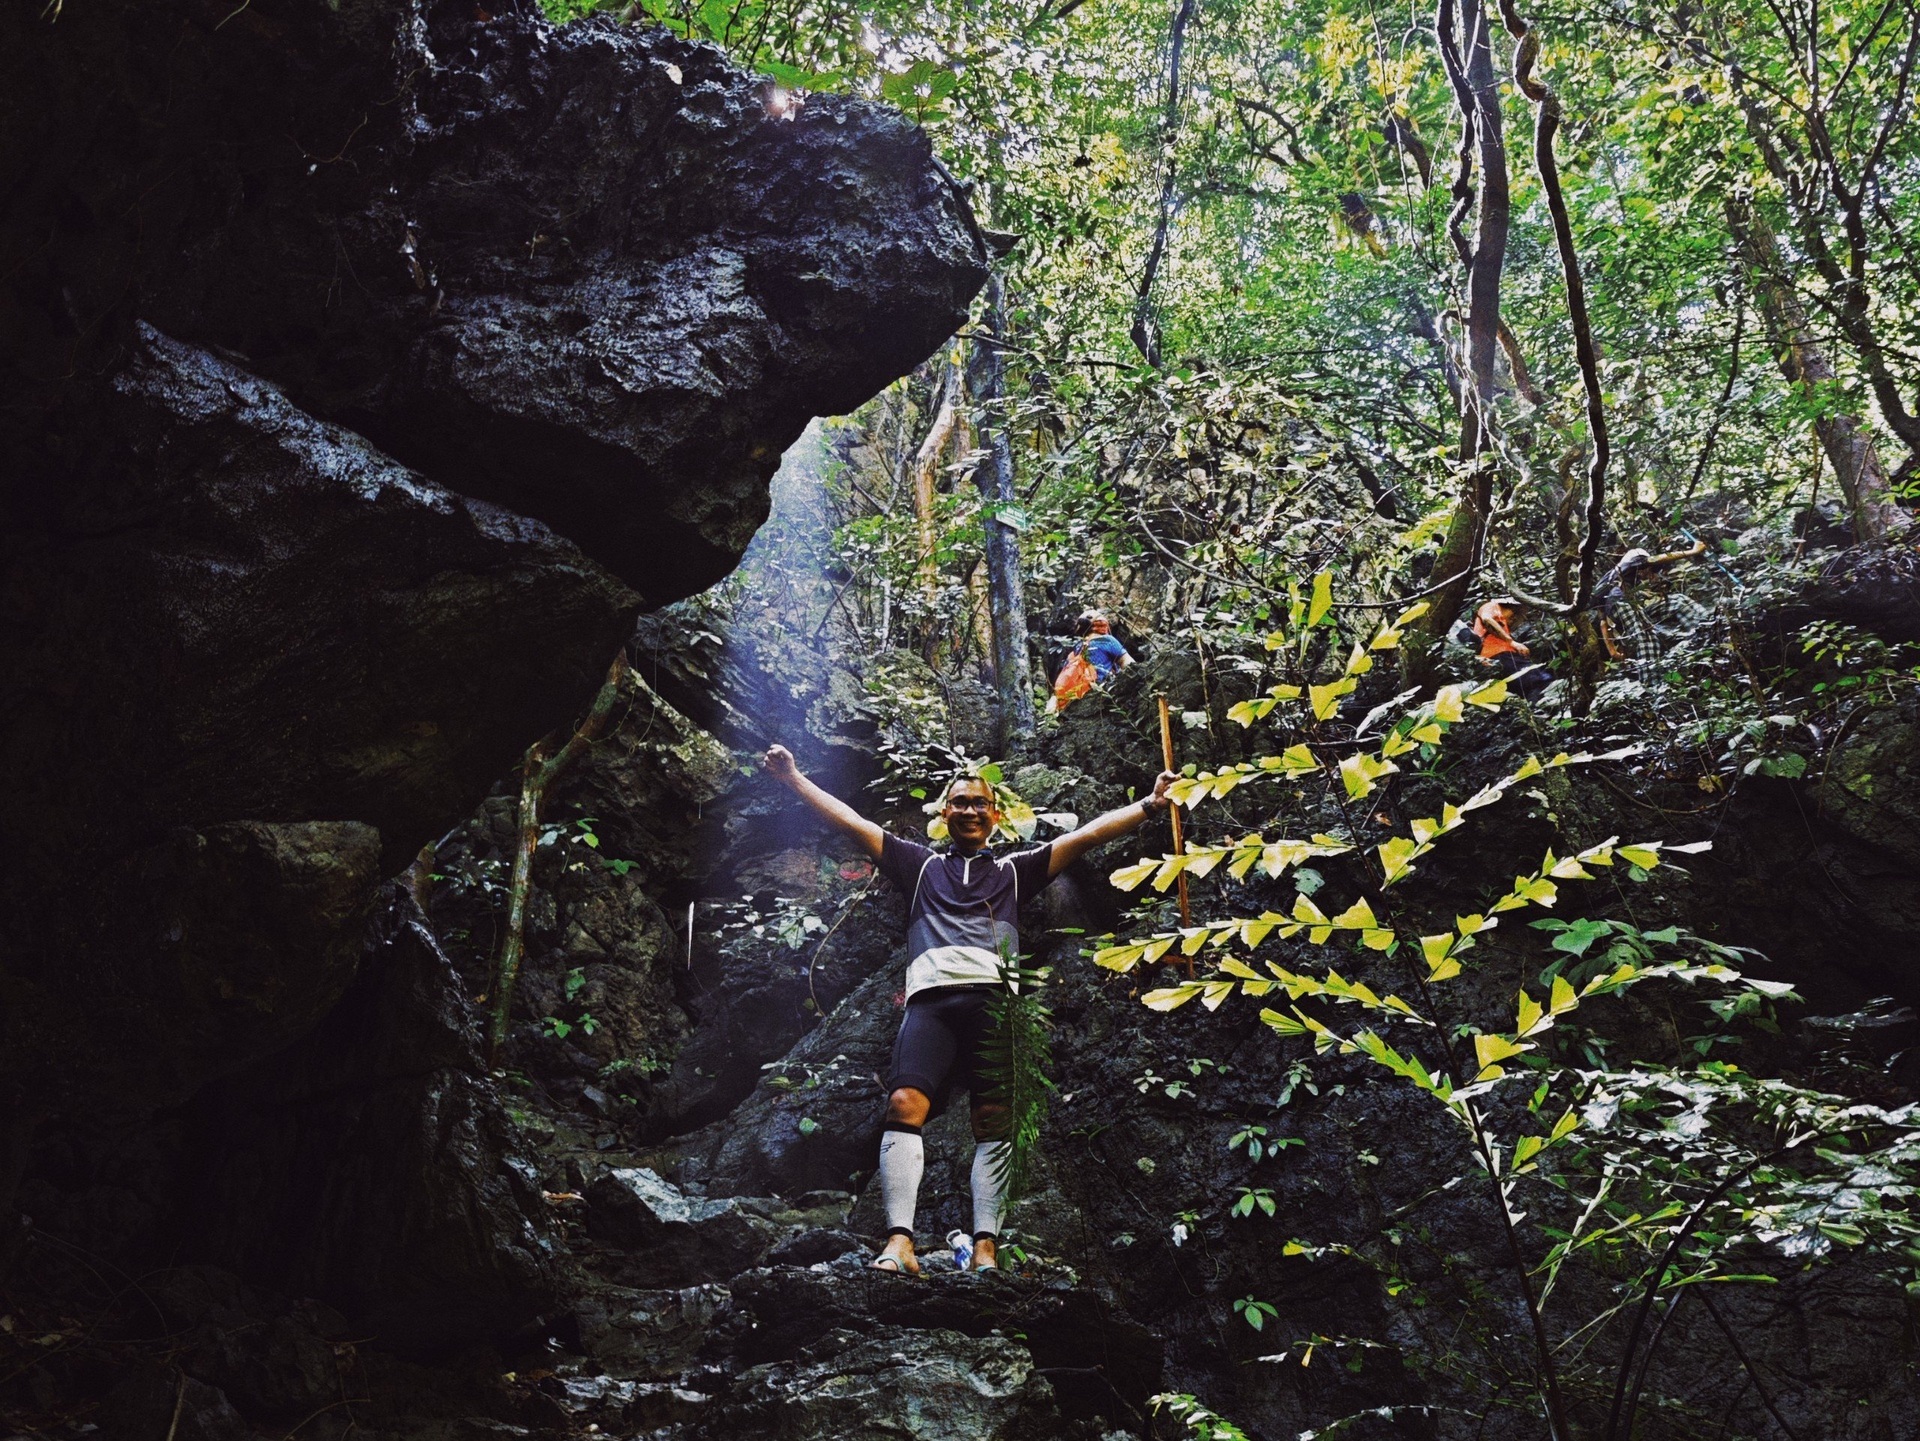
x=969, y=813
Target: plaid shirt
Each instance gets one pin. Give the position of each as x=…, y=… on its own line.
x=1632, y=634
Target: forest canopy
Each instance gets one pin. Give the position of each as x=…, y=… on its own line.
x=1308, y=250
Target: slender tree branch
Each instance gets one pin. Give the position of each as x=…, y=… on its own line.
x=538, y=771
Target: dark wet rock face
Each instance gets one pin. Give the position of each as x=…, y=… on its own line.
x=258, y=665
x=371, y=1165
x=333, y=336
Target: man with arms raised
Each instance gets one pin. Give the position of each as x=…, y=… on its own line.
x=963, y=908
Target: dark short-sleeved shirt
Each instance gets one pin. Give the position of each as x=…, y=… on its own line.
x=961, y=910
x=1105, y=655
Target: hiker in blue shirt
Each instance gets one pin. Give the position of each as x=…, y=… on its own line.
x=1105, y=654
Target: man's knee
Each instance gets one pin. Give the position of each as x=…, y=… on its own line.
x=990, y=1123
x=909, y=1107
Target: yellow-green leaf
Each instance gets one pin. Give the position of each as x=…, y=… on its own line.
x=1118, y=958
x=1645, y=857
x=1322, y=601
x=1448, y=705
x=1525, y=1149
x=1325, y=699
x=1531, y=1016
x=1128, y=877
x=1172, y=997
x=1359, y=663
x=1359, y=771
x=1356, y=917
x=1202, y=861
x=1562, y=998
x=1285, y=1025
x=1490, y=696
x=1294, y=760
x=1489, y=1051
x=1214, y=993
x=1244, y=858
x=1397, y=857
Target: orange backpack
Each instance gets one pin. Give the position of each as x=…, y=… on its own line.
x=1076, y=678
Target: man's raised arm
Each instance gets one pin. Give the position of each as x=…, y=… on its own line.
x=779, y=763
x=1101, y=829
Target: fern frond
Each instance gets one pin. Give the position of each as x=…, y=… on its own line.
x=1014, y=1061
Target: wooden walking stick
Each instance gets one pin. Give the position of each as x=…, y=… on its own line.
x=1173, y=814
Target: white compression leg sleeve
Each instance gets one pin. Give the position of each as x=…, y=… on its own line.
x=989, y=1191
x=903, y=1156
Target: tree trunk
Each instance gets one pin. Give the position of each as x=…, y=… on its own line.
x=1466, y=45
x=986, y=376
x=1814, y=185
x=1848, y=443
x=926, y=471
x=1146, y=328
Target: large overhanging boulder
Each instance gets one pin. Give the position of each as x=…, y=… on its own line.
x=364, y=368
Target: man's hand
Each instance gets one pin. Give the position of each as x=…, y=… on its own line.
x=779, y=763
x=1160, y=800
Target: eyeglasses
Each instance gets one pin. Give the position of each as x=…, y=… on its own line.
x=969, y=803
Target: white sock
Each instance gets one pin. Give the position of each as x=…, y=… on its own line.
x=989, y=1192
x=903, y=1156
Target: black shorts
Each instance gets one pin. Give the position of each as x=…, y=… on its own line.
x=938, y=1048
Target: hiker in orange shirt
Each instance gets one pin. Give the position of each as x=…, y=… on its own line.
x=1495, y=623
